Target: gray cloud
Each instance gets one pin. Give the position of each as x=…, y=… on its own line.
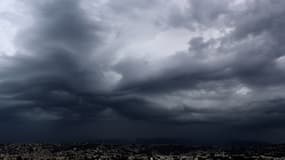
x=74, y=69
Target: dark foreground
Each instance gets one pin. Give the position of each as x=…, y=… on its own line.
x=136, y=152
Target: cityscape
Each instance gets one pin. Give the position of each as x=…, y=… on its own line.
x=142, y=79
x=139, y=152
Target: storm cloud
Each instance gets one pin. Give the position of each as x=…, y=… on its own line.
x=142, y=69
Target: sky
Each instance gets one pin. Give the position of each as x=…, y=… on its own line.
x=209, y=71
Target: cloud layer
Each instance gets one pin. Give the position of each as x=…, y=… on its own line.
x=103, y=67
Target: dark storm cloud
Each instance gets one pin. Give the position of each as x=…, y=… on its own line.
x=199, y=14
x=55, y=75
x=66, y=73
x=251, y=55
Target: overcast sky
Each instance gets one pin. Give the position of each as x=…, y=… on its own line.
x=206, y=70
